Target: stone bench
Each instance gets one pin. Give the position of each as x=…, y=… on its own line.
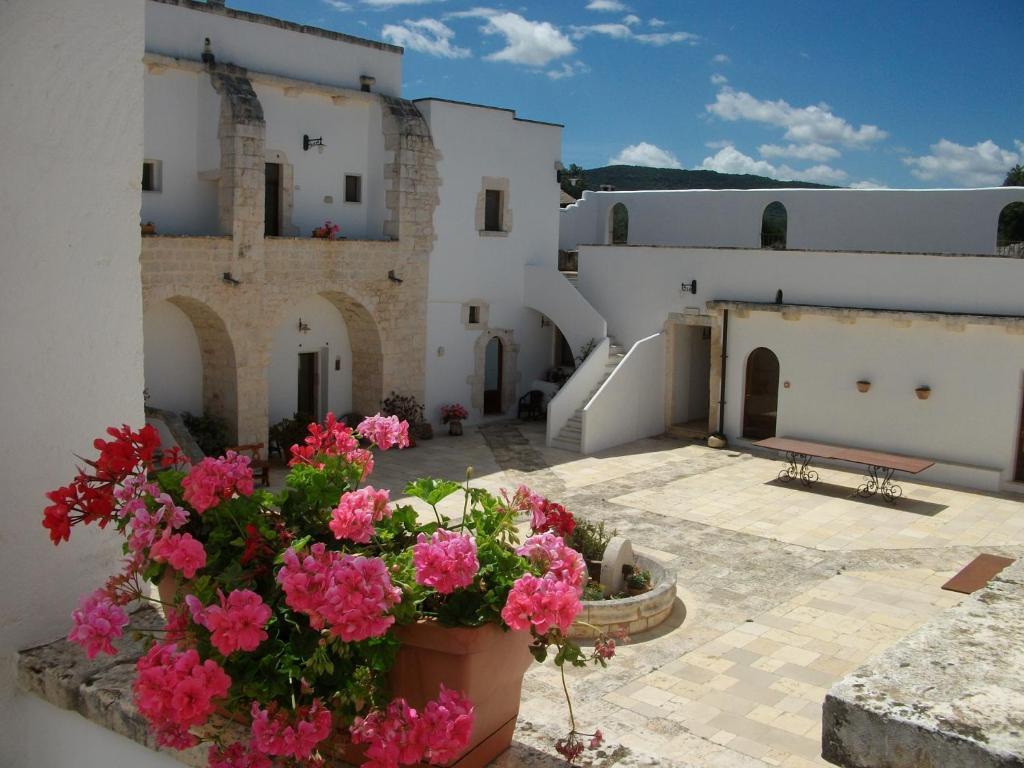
x=950, y=695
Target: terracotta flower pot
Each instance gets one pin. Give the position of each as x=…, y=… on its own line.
x=454, y=427
x=923, y=393
x=485, y=663
x=863, y=386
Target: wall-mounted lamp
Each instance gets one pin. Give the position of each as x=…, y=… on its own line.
x=366, y=83
x=227, y=278
x=690, y=287
x=207, y=54
x=308, y=142
x=394, y=278
x=303, y=327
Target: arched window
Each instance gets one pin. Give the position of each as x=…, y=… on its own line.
x=1010, y=233
x=774, y=223
x=618, y=225
x=761, y=394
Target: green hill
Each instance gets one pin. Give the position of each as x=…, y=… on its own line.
x=635, y=177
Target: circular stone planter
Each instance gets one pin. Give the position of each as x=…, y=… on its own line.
x=629, y=614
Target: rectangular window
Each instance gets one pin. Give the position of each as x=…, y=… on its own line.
x=492, y=210
x=474, y=315
x=151, y=176
x=353, y=189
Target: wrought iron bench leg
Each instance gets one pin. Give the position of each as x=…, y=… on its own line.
x=792, y=472
x=879, y=480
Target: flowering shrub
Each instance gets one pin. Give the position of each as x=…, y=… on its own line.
x=453, y=412
x=284, y=604
x=327, y=231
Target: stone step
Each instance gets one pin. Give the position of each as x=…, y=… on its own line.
x=566, y=445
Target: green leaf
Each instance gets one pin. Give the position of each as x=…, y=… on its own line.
x=430, y=490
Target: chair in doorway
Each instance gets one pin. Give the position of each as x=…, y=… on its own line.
x=531, y=405
x=260, y=467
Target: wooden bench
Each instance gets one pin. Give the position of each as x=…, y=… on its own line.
x=260, y=467
x=881, y=466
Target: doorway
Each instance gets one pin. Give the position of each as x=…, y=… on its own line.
x=493, y=376
x=691, y=380
x=309, y=384
x=1019, y=474
x=272, y=201
x=761, y=396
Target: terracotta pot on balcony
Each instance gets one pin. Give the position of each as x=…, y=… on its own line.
x=923, y=392
x=863, y=386
x=485, y=663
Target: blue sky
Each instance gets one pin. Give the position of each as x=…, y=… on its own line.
x=899, y=94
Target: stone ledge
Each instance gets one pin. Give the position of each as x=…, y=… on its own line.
x=950, y=695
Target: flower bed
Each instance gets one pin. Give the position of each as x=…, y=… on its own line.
x=628, y=615
x=287, y=612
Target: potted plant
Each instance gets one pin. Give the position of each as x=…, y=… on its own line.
x=407, y=408
x=327, y=231
x=149, y=228
x=638, y=581
x=453, y=415
x=923, y=393
x=863, y=385
x=301, y=614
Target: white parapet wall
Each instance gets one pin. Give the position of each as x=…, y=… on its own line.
x=577, y=389
x=631, y=404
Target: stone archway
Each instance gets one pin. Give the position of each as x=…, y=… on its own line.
x=509, y=368
x=217, y=351
x=761, y=394
x=367, y=353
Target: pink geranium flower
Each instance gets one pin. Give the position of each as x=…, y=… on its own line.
x=542, y=604
x=212, y=480
x=560, y=562
x=384, y=431
x=356, y=513
x=296, y=736
x=446, y=562
x=97, y=621
x=179, y=550
x=237, y=623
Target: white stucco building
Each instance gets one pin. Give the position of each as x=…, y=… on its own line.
x=753, y=325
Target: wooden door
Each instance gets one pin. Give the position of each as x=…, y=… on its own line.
x=272, y=202
x=761, y=396
x=493, y=376
x=309, y=384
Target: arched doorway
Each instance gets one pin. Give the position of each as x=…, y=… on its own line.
x=774, y=226
x=189, y=360
x=618, y=225
x=493, y=374
x=1010, y=231
x=761, y=394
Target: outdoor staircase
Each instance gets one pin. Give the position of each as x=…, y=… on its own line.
x=571, y=436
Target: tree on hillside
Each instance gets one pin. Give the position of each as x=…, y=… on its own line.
x=1015, y=177
x=574, y=181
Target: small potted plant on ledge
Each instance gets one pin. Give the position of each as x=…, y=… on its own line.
x=326, y=621
x=453, y=415
x=637, y=582
x=327, y=231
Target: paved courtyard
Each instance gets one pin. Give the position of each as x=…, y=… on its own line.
x=783, y=589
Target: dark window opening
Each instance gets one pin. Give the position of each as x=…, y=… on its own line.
x=474, y=314
x=774, y=224
x=272, y=204
x=1010, y=231
x=353, y=189
x=619, y=224
x=492, y=210
x=150, y=181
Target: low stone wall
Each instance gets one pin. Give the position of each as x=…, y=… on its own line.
x=630, y=614
x=950, y=695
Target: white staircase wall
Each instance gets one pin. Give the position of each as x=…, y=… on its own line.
x=549, y=292
x=631, y=403
x=576, y=390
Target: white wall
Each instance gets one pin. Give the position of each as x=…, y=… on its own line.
x=917, y=221
x=475, y=142
x=70, y=298
x=548, y=291
x=181, y=115
x=327, y=331
x=173, y=361
x=346, y=131
x=265, y=45
x=635, y=288
x=631, y=404
x=971, y=416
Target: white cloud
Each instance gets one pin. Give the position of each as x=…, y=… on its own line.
x=426, y=36
x=655, y=22
x=718, y=79
x=815, y=152
x=338, y=5
x=983, y=165
x=532, y=43
x=807, y=125
x=623, y=32
x=728, y=159
x=718, y=144
x=568, y=70
x=720, y=58
x=647, y=155
x=384, y=4
x=868, y=184
x=631, y=20
x=606, y=5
